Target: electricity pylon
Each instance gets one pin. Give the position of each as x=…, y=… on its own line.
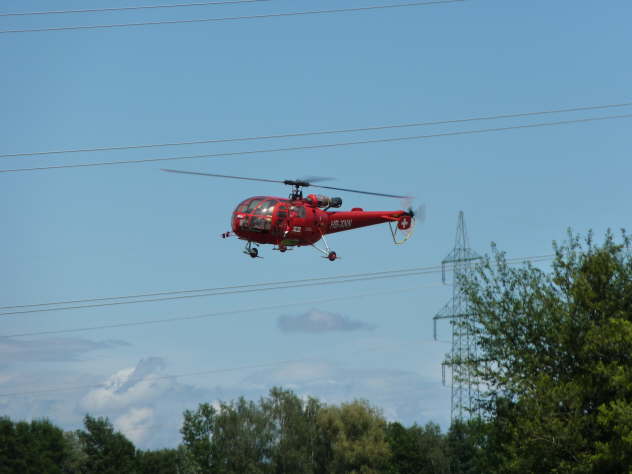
x=464, y=390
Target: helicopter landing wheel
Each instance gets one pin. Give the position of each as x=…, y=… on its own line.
x=253, y=252
x=282, y=248
x=332, y=256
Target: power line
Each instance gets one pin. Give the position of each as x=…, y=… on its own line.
x=207, y=290
x=251, y=288
x=321, y=146
x=121, y=9
x=233, y=18
x=533, y=258
x=315, y=133
x=221, y=293
x=217, y=313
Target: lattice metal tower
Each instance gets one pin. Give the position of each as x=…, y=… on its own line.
x=464, y=345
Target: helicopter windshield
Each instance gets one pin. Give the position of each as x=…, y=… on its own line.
x=252, y=205
x=248, y=205
x=257, y=206
x=266, y=208
x=258, y=214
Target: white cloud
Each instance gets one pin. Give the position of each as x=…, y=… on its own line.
x=145, y=404
x=128, y=387
x=316, y=321
x=141, y=401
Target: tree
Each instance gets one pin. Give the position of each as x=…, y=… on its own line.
x=279, y=434
x=283, y=434
x=33, y=447
x=294, y=431
x=467, y=447
x=107, y=452
x=235, y=438
x=353, y=438
x=162, y=461
x=418, y=449
x=185, y=461
x=76, y=459
x=555, y=356
x=197, y=432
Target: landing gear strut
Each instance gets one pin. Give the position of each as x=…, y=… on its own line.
x=327, y=252
x=250, y=250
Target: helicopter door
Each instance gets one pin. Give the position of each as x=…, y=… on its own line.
x=281, y=220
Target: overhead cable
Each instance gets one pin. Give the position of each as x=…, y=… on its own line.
x=220, y=293
x=238, y=289
x=448, y=267
x=316, y=132
x=321, y=146
x=122, y=9
x=232, y=18
x=219, y=313
x=206, y=290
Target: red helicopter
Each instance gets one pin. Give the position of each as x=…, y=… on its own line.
x=298, y=221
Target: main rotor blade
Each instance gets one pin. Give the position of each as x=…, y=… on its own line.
x=224, y=176
x=304, y=183
x=315, y=179
x=361, y=192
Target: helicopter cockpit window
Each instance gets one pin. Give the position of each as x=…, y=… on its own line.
x=261, y=220
x=252, y=205
x=266, y=208
x=242, y=207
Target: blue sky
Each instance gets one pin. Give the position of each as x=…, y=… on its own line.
x=120, y=230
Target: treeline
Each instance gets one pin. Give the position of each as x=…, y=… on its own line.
x=279, y=434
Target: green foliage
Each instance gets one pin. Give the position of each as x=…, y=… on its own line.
x=418, y=449
x=354, y=439
x=295, y=434
x=235, y=438
x=466, y=447
x=33, y=447
x=107, y=452
x=555, y=355
x=163, y=461
x=283, y=434
x=76, y=459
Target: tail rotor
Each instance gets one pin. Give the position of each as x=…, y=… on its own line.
x=405, y=226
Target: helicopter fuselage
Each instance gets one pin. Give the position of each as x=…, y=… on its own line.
x=296, y=222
